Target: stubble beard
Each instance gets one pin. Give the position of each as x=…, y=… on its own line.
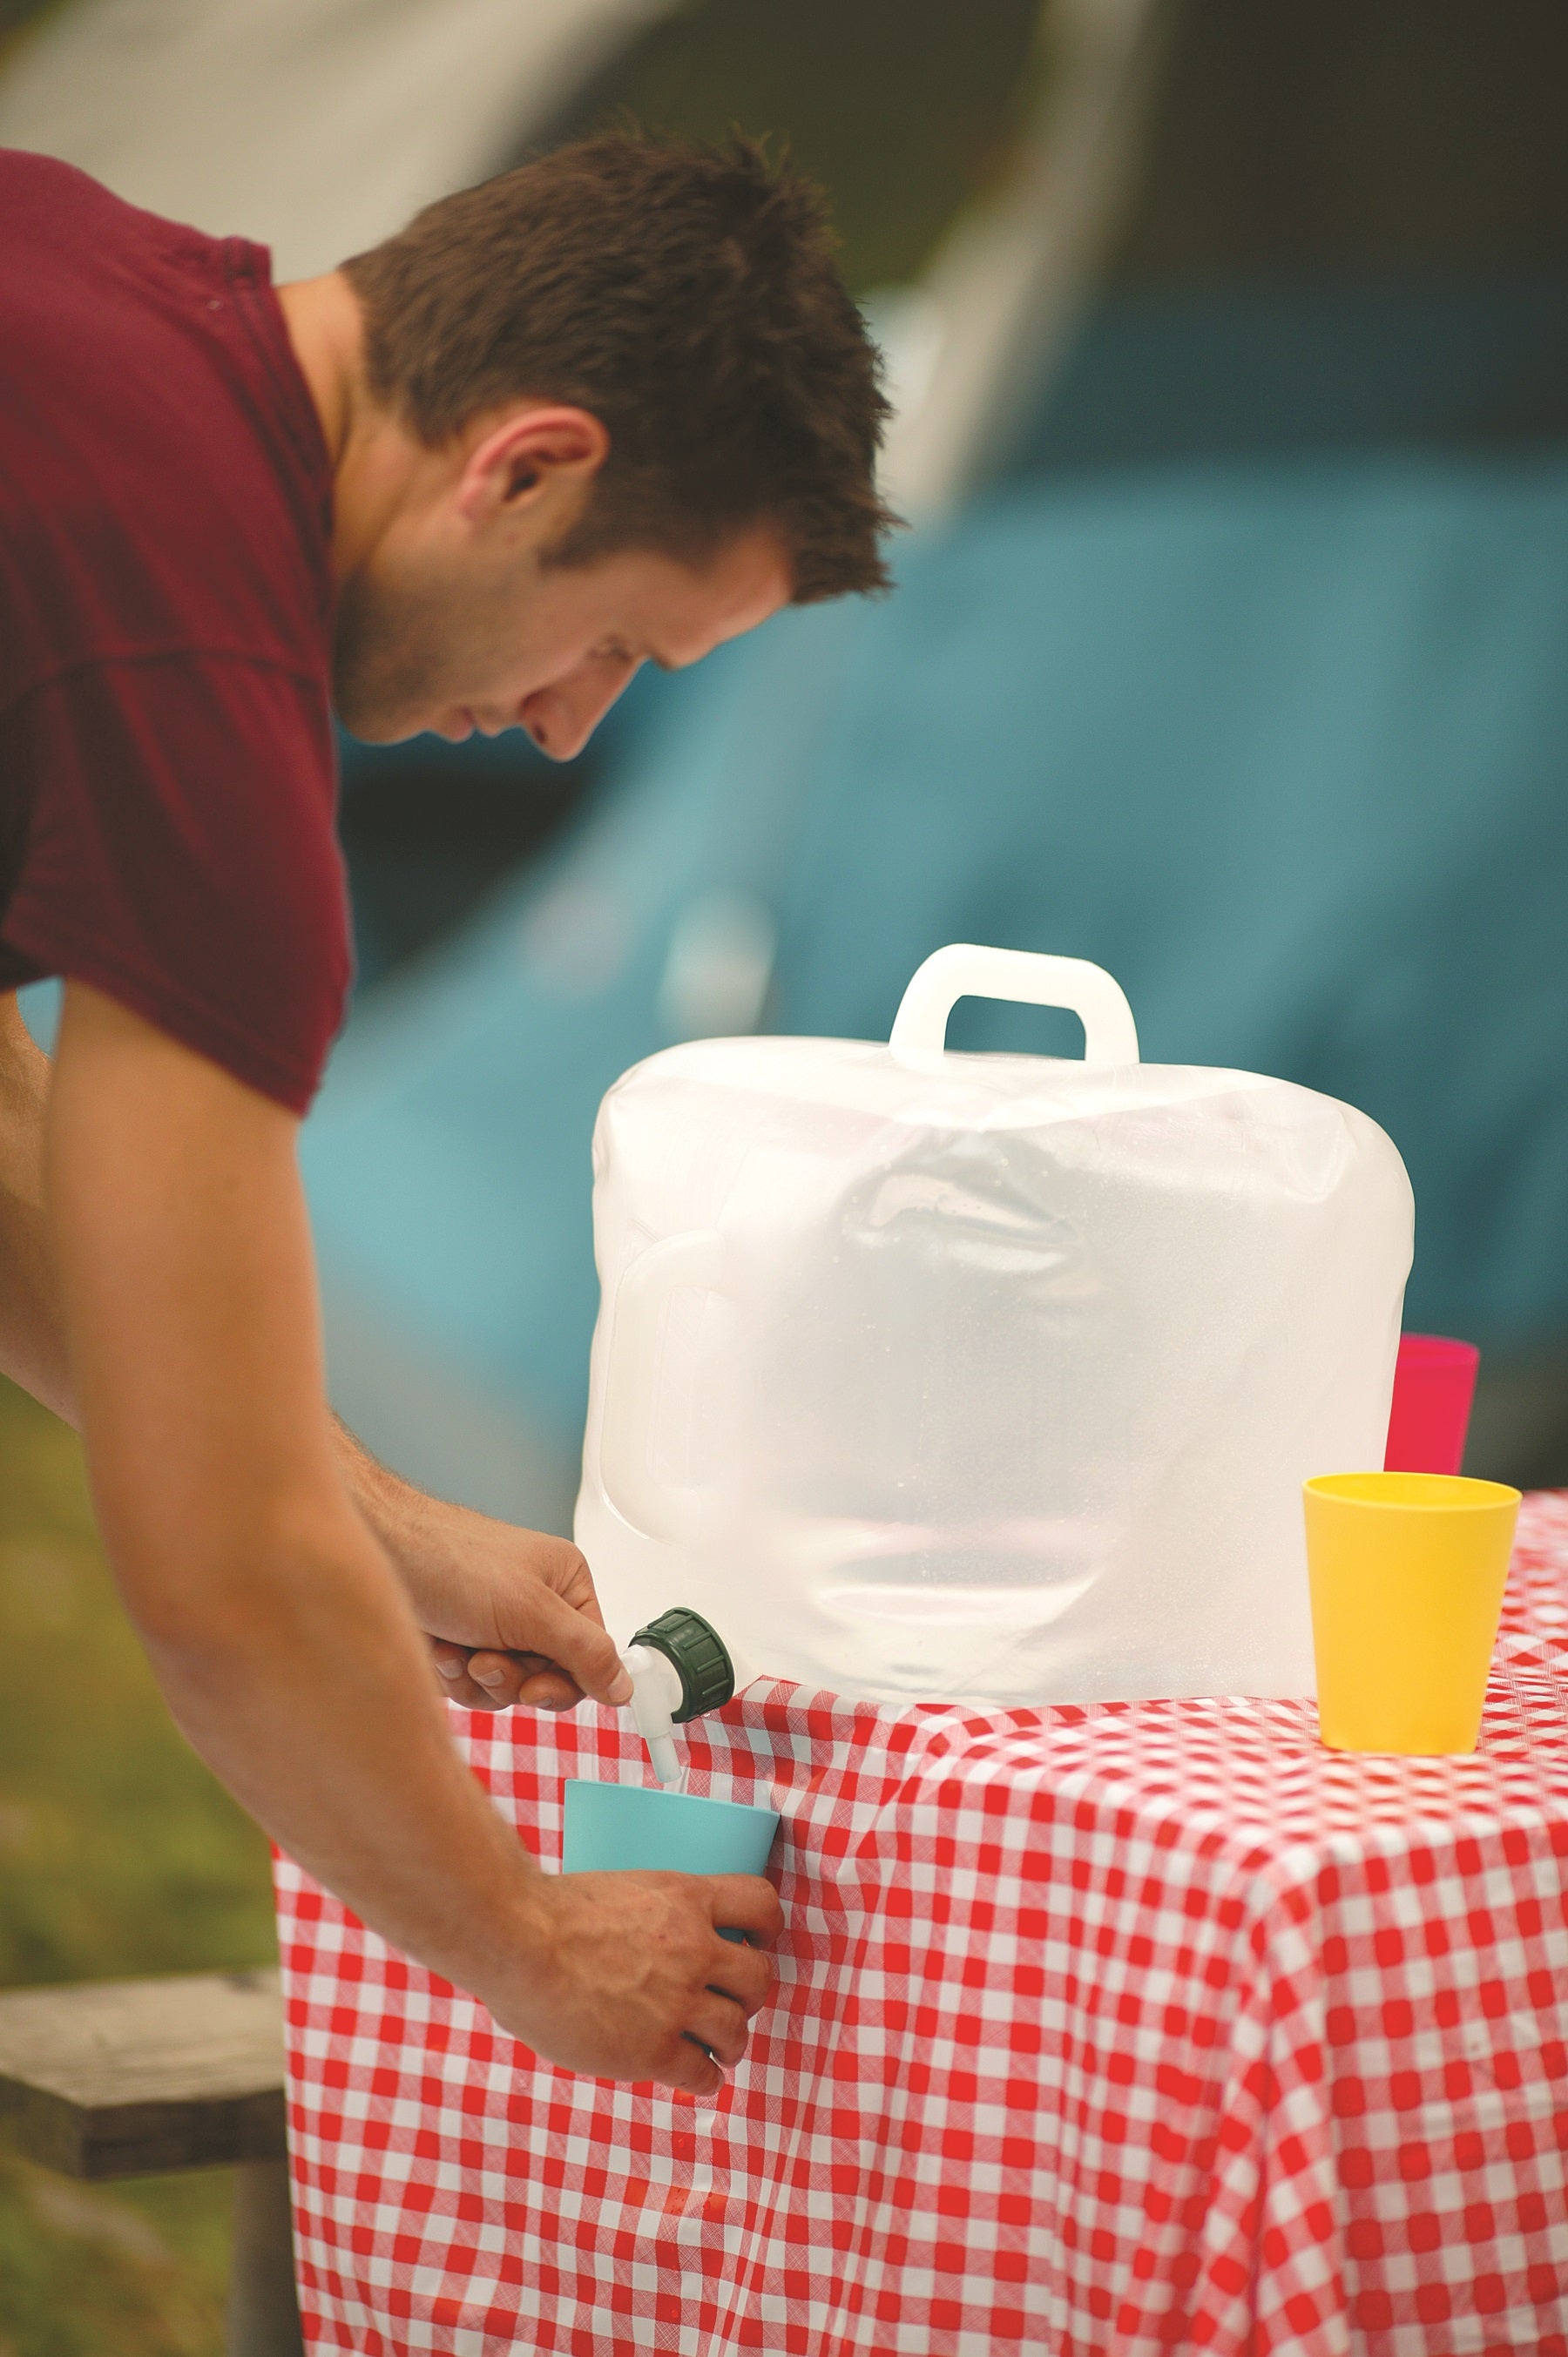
x=391, y=677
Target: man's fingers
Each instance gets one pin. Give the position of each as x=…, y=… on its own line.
x=544, y=1621
x=720, y=2024
x=582, y=1647
x=691, y=2071
x=744, y=1902
x=485, y=1680
x=549, y=1689
x=499, y=1675
x=743, y=1974
x=451, y=1665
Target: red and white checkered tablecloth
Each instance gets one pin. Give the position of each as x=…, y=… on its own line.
x=1137, y=2028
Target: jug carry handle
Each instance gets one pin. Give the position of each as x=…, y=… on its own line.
x=965, y=970
x=659, y=1508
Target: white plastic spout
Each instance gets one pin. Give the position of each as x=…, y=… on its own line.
x=656, y=1695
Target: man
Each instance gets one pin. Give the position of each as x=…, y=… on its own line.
x=613, y=408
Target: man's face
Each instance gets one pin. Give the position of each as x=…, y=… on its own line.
x=480, y=633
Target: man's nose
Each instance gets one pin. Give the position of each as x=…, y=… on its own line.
x=561, y=719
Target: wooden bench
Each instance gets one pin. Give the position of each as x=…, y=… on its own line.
x=125, y=2078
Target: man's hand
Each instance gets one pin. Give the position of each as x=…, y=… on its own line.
x=511, y=1614
x=629, y=1978
x=547, y=1644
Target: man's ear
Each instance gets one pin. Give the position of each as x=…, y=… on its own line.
x=529, y=453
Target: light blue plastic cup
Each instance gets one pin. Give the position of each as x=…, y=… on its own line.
x=618, y=1829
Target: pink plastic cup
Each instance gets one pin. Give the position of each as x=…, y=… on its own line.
x=1434, y=1383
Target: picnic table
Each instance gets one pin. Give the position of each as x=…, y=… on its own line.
x=1132, y=2027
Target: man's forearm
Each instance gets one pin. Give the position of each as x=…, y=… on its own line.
x=422, y=1536
x=471, y=1581
x=437, y=1549
x=301, y=1680
x=391, y=1506
x=511, y=1614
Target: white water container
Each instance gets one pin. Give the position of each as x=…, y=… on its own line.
x=978, y=1377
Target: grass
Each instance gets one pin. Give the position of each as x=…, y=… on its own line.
x=118, y=1855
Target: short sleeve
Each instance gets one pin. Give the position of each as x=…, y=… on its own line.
x=182, y=856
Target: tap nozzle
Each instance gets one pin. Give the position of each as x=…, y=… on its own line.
x=656, y=1694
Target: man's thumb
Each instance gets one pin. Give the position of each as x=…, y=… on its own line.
x=584, y=1649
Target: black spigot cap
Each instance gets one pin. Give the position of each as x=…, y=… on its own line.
x=706, y=1671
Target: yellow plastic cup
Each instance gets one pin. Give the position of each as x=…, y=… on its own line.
x=1407, y=1573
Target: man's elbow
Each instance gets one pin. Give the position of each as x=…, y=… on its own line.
x=212, y=1605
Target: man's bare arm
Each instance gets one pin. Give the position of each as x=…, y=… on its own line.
x=279, y=1633
x=511, y=1614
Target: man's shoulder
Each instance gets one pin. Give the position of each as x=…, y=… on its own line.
x=51, y=208
x=29, y=180
x=163, y=479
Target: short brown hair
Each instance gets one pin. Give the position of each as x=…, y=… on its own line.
x=690, y=298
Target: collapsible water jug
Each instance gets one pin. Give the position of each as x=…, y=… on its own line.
x=987, y=1378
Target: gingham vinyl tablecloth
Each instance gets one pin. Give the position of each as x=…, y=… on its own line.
x=1135, y=2027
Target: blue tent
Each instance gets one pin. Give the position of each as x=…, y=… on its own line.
x=1284, y=743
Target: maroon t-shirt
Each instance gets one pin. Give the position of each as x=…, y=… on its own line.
x=168, y=774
